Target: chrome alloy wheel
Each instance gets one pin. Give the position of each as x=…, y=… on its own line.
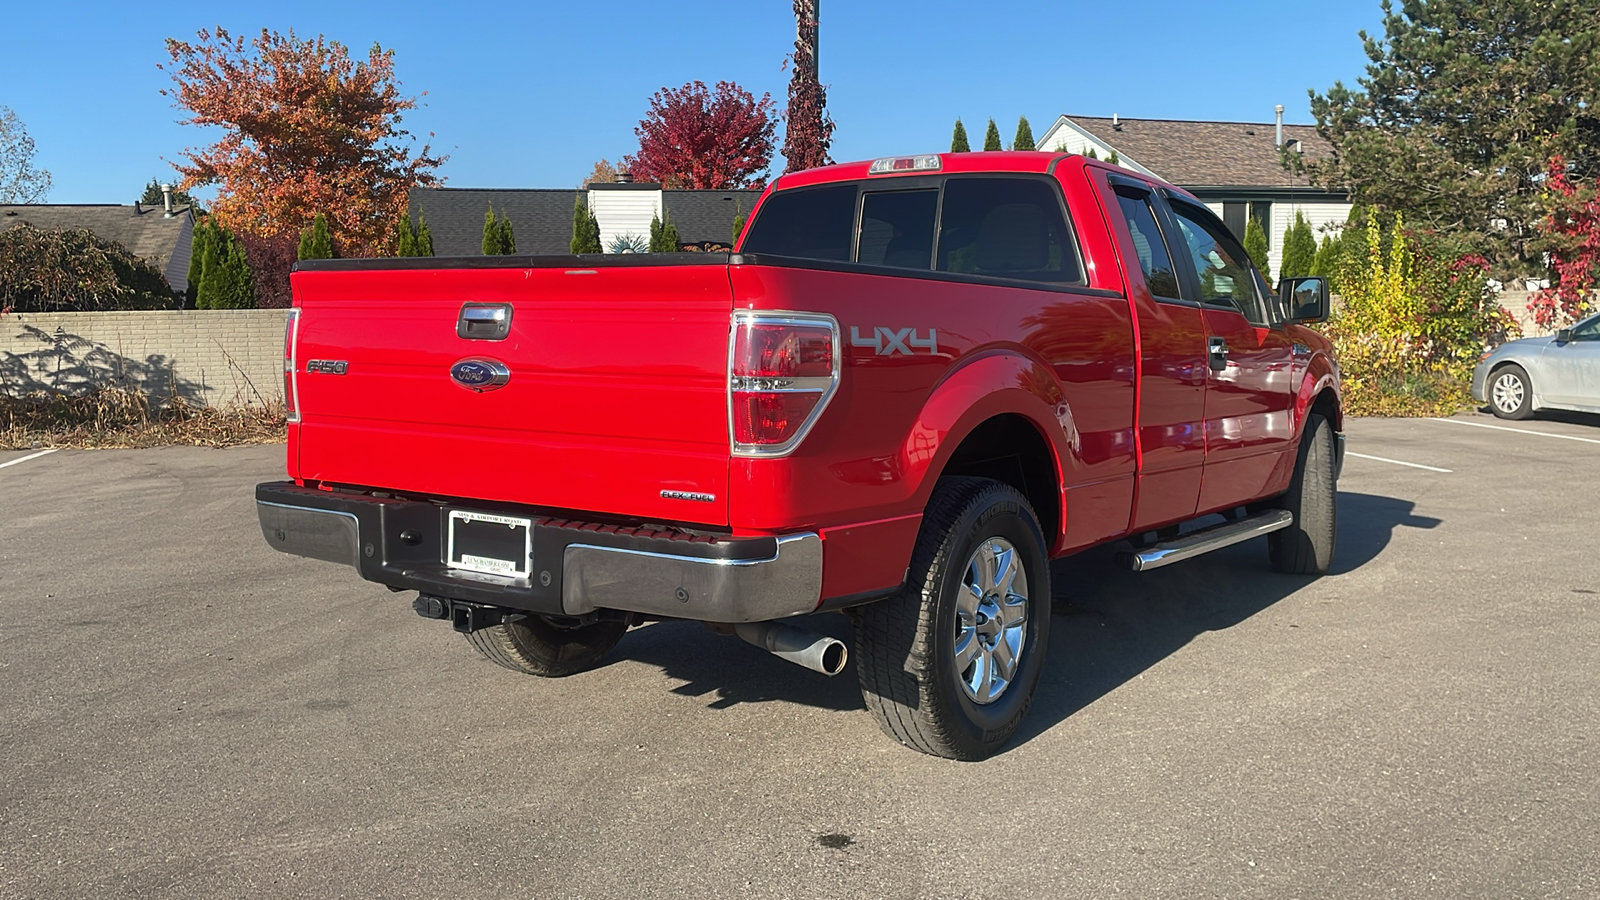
x=1508, y=392
x=991, y=620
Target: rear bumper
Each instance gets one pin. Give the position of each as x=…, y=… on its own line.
x=577, y=568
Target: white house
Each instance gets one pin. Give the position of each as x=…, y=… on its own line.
x=1234, y=167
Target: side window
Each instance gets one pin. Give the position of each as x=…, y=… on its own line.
x=1227, y=277
x=1587, y=331
x=1154, y=260
x=811, y=223
x=897, y=228
x=1006, y=228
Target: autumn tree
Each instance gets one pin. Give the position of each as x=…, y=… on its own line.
x=958, y=139
x=709, y=139
x=1024, y=138
x=808, y=130
x=1570, y=235
x=1463, y=104
x=304, y=128
x=991, y=137
x=20, y=182
x=603, y=173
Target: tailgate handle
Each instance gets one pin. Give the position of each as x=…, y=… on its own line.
x=484, y=321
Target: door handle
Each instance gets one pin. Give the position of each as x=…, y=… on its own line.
x=484, y=321
x=1218, y=348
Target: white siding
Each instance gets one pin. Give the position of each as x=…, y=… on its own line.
x=1326, y=219
x=1216, y=208
x=624, y=212
x=1068, y=138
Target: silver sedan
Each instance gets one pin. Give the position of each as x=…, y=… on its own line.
x=1560, y=372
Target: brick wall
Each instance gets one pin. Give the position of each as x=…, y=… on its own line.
x=217, y=357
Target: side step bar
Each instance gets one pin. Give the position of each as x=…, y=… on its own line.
x=1206, y=540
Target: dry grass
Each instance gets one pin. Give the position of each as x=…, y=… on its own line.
x=120, y=417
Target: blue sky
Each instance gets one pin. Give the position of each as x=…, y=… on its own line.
x=531, y=94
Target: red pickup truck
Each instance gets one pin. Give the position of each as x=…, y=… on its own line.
x=915, y=382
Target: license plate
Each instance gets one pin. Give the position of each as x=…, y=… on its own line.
x=490, y=544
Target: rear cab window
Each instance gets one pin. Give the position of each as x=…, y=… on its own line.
x=810, y=223
x=1013, y=228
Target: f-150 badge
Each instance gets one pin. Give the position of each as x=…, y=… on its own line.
x=889, y=341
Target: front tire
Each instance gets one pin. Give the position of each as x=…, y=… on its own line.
x=1510, y=392
x=949, y=665
x=536, y=646
x=1306, y=547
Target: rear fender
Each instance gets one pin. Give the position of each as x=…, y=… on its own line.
x=987, y=385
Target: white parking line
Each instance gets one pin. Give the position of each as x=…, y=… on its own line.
x=23, y=459
x=1564, y=437
x=1398, y=462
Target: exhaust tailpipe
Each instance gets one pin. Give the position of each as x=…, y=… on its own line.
x=817, y=652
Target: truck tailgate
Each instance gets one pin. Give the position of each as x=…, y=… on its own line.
x=617, y=390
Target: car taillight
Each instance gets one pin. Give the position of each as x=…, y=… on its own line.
x=783, y=370
x=291, y=389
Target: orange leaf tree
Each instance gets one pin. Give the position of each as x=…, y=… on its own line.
x=306, y=129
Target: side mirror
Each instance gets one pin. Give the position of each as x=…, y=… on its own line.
x=1564, y=336
x=1304, y=300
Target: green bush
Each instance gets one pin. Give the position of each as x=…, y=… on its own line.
x=498, y=239
x=585, y=228
x=74, y=270
x=1415, y=316
x=991, y=138
x=1024, y=138
x=664, y=235
x=1255, y=244
x=316, y=242
x=1299, y=249
x=958, y=139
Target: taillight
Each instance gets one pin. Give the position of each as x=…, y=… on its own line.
x=783, y=370
x=291, y=388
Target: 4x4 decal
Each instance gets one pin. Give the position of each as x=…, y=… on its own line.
x=889, y=341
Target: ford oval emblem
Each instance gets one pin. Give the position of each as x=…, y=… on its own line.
x=479, y=375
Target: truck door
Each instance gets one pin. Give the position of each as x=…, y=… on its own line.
x=1250, y=386
x=1172, y=365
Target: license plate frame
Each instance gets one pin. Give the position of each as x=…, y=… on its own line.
x=472, y=544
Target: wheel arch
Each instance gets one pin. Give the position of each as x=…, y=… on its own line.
x=1002, y=415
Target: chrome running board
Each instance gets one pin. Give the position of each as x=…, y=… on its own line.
x=1206, y=540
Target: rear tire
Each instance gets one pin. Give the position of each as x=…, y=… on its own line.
x=949, y=665
x=1306, y=547
x=535, y=646
x=1510, y=392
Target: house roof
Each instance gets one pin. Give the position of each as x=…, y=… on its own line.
x=146, y=231
x=707, y=215
x=1205, y=154
x=541, y=218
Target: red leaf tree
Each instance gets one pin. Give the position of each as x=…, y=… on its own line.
x=1570, y=235
x=306, y=129
x=695, y=138
x=808, y=131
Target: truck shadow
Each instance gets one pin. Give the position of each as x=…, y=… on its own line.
x=1109, y=624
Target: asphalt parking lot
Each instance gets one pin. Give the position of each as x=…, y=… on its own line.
x=190, y=714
